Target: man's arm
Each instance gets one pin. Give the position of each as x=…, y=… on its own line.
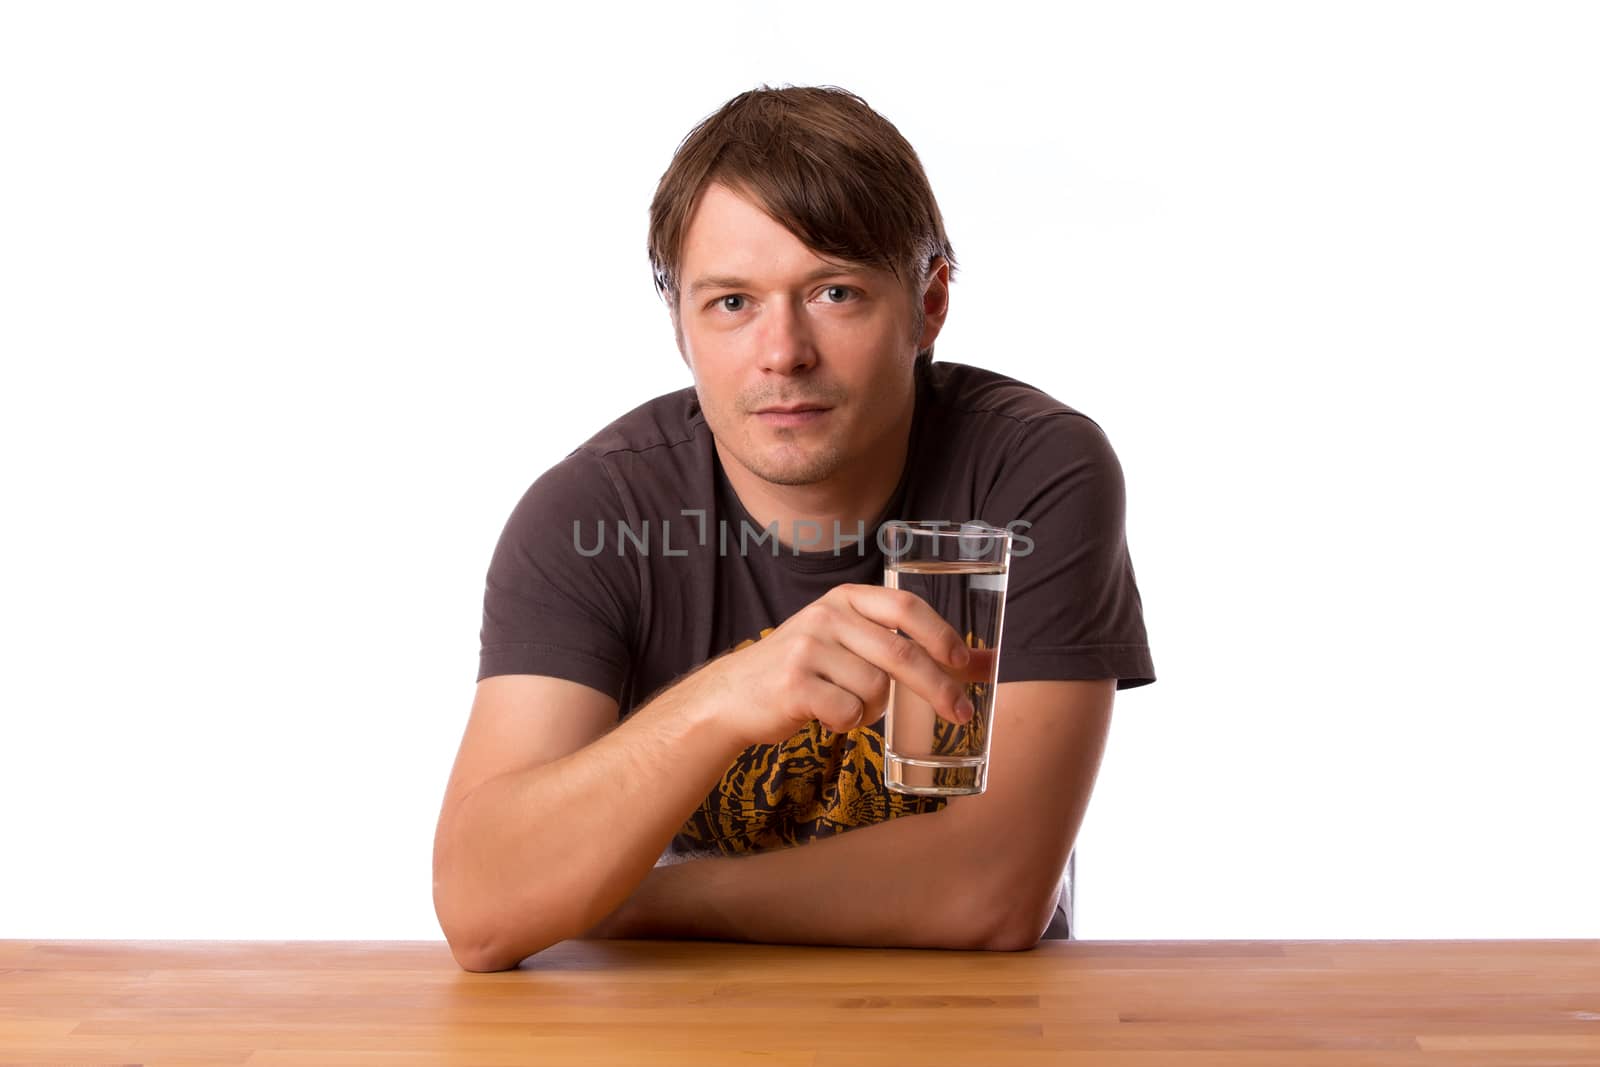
x=1044, y=758
x=544, y=850
x=982, y=873
x=905, y=883
x=534, y=854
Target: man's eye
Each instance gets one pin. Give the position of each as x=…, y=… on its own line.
x=833, y=294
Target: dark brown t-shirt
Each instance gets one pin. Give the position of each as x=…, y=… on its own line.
x=632, y=561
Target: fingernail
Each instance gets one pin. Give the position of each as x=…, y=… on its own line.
x=965, y=709
x=962, y=655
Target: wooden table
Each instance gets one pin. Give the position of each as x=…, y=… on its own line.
x=1111, y=1003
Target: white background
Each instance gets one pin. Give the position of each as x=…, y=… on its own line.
x=297, y=299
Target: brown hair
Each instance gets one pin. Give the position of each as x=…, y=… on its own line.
x=824, y=165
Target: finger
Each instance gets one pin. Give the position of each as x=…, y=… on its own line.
x=863, y=680
x=899, y=609
x=979, y=669
x=835, y=707
x=908, y=663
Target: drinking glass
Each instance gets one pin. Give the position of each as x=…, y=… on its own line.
x=960, y=569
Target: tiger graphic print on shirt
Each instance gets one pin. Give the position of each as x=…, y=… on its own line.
x=812, y=785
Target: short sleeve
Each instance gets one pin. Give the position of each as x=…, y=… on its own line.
x=553, y=602
x=1073, y=609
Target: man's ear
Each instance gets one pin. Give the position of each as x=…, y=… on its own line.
x=677, y=332
x=935, y=297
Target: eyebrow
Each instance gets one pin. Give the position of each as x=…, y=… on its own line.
x=726, y=281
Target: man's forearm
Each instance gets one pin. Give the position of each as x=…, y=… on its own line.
x=907, y=882
x=528, y=858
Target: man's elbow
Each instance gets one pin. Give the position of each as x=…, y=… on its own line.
x=483, y=960
x=1013, y=939
x=476, y=943
x=474, y=960
x=1021, y=925
x=492, y=951
x=470, y=951
x=484, y=955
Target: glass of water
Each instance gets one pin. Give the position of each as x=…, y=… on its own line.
x=960, y=569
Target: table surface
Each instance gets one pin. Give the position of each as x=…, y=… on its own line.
x=1107, y=1003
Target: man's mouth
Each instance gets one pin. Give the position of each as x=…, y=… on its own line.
x=796, y=415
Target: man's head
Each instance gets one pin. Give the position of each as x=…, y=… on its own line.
x=803, y=258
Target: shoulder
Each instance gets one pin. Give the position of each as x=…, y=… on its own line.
x=960, y=389
x=665, y=422
x=602, y=474
x=1022, y=428
x=658, y=449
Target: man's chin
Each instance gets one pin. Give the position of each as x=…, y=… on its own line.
x=796, y=475
x=785, y=463
x=795, y=467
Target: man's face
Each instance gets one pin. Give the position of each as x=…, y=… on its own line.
x=764, y=322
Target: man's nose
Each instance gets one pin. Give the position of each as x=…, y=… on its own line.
x=786, y=342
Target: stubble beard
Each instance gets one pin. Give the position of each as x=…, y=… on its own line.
x=794, y=464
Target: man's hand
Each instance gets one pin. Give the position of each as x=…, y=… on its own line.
x=832, y=661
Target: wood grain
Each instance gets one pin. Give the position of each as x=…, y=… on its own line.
x=1117, y=1004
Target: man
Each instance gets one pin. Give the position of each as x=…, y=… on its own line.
x=686, y=643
